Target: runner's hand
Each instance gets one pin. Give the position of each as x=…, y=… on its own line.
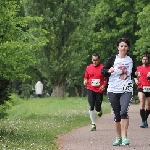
x=111, y=70
x=102, y=88
x=136, y=81
x=85, y=82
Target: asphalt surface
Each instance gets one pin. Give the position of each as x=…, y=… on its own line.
x=102, y=139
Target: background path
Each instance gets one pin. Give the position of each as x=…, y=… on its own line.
x=102, y=139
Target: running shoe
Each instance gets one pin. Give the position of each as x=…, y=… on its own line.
x=142, y=124
x=118, y=141
x=125, y=141
x=93, y=128
x=146, y=124
x=99, y=114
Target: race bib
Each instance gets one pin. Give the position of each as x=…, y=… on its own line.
x=127, y=87
x=146, y=88
x=95, y=82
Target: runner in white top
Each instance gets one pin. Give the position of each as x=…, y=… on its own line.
x=116, y=83
x=120, y=69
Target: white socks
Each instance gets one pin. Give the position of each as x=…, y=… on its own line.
x=92, y=116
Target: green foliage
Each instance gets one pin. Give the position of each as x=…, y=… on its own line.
x=113, y=20
x=78, y=29
x=143, y=44
x=35, y=124
x=18, y=41
x=6, y=105
x=15, y=100
x=54, y=40
x=5, y=90
x=64, y=56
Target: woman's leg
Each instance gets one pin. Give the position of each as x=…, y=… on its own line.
x=114, y=100
x=124, y=127
x=125, y=101
x=118, y=128
x=115, y=104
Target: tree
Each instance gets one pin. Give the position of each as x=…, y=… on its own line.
x=143, y=44
x=66, y=52
x=115, y=19
x=18, y=42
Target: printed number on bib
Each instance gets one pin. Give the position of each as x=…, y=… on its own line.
x=95, y=82
x=128, y=87
x=146, y=88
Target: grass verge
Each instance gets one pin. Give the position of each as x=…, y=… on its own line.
x=34, y=124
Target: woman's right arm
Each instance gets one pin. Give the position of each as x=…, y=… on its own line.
x=108, y=67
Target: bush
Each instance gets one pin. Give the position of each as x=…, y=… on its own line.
x=5, y=90
x=13, y=100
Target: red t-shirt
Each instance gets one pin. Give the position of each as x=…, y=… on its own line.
x=94, y=77
x=143, y=76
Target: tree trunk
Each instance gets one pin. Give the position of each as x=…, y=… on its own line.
x=59, y=91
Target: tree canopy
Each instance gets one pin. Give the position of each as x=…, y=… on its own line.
x=55, y=39
x=18, y=42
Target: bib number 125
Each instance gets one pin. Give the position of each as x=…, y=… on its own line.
x=128, y=87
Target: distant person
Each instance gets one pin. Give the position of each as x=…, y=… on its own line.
x=39, y=88
x=120, y=89
x=95, y=84
x=143, y=85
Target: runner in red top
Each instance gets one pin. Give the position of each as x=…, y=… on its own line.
x=95, y=78
x=95, y=83
x=143, y=85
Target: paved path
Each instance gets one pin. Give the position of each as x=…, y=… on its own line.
x=104, y=136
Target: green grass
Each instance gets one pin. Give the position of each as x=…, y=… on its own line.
x=34, y=124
